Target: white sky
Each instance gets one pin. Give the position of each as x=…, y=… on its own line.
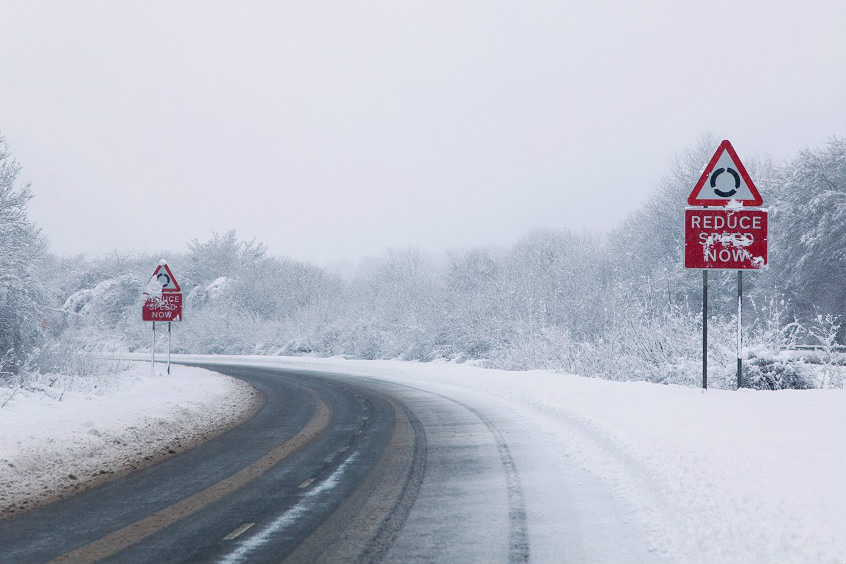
x=334, y=130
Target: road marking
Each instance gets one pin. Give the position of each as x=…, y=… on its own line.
x=134, y=533
x=249, y=545
x=306, y=484
x=238, y=532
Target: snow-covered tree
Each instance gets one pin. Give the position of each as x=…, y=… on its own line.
x=21, y=247
x=477, y=319
x=400, y=302
x=277, y=288
x=221, y=256
x=808, y=232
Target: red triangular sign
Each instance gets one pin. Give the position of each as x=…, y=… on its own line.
x=165, y=277
x=725, y=179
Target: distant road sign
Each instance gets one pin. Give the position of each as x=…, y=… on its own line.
x=725, y=179
x=725, y=238
x=164, y=307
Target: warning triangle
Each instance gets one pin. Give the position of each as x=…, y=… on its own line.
x=725, y=179
x=164, y=276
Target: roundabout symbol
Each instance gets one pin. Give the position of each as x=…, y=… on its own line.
x=721, y=193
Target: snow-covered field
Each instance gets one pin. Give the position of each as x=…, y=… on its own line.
x=717, y=476
x=55, y=442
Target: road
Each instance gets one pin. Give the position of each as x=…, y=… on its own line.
x=330, y=469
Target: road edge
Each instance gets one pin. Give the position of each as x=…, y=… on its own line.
x=58, y=487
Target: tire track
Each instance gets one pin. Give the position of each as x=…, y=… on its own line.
x=391, y=527
x=518, y=543
x=363, y=529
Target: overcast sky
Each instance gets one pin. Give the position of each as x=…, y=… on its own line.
x=334, y=130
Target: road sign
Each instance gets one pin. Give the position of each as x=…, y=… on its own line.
x=725, y=238
x=163, y=304
x=725, y=179
x=165, y=277
x=163, y=307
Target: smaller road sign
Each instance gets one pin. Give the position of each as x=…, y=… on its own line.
x=164, y=304
x=724, y=180
x=725, y=238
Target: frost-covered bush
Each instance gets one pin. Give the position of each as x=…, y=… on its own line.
x=109, y=303
x=549, y=348
x=775, y=374
x=223, y=331
x=824, y=329
x=75, y=360
x=78, y=352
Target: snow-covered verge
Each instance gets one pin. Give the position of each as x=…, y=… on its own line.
x=716, y=476
x=58, y=440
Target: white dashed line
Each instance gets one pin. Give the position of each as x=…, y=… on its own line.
x=306, y=484
x=250, y=544
x=238, y=532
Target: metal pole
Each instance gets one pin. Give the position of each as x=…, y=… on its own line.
x=704, y=329
x=153, y=358
x=168, y=347
x=739, y=333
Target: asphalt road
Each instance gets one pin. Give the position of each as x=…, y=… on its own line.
x=331, y=469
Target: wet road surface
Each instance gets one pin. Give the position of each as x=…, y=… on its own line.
x=332, y=468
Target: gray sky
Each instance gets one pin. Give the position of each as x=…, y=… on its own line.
x=334, y=130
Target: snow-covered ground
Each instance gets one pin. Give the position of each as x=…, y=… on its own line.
x=55, y=441
x=716, y=476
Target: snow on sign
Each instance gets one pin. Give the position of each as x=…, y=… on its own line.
x=724, y=180
x=725, y=238
x=164, y=307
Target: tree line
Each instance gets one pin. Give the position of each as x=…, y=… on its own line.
x=617, y=305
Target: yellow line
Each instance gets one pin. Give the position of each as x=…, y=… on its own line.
x=134, y=533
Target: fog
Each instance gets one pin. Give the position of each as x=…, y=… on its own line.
x=334, y=131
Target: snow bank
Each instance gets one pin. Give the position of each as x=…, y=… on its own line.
x=716, y=476
x=55, y=442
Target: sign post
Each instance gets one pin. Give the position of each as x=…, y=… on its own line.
x=163, y=302
x=739, y=334
x=704, y=330
x=153, y=357
x=724, y=229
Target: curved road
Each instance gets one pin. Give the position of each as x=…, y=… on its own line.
x=331, y=469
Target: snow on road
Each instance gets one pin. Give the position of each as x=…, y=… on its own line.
x=56, y=442
x=611, y=471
